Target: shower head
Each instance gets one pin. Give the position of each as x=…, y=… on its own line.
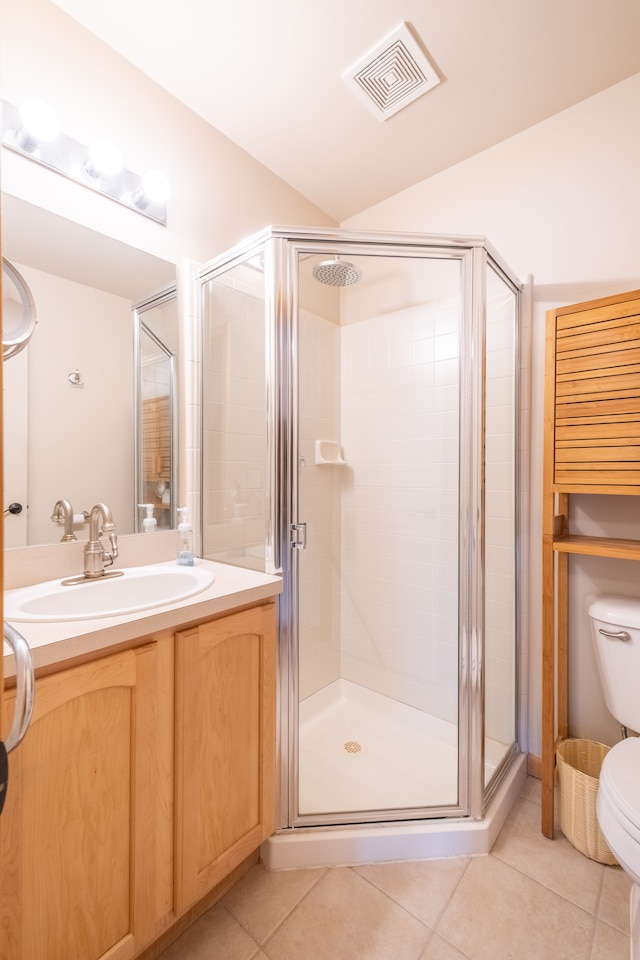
x=337, y=272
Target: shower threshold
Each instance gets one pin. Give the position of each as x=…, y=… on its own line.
x=408, y=840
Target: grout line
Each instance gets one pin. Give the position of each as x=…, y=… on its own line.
x=453, y=893
x=301, y=899
x=241, y=925
x=596, y=911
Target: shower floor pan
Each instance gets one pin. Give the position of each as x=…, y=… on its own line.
x=360, y=750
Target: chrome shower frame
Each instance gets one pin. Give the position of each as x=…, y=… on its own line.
x=282, y=248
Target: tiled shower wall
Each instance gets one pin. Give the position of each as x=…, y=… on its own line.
x=399, y=631
x=379, y=582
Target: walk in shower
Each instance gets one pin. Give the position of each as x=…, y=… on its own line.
x=360, y=411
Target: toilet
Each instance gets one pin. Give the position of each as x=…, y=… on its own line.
x=615, y=624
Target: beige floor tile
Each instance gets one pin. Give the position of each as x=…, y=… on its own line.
x=614, y=902
x=345, y=918
x=263, y=898
x=423, y=888
x=555, y=863
x=531, y=790
x=215, y=936
x=496, y=913
x=609, y=943
x=439, y=949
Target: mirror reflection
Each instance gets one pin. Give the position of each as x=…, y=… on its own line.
x=157, y=335
x=69, y=396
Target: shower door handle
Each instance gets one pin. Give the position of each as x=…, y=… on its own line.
x=299, y=536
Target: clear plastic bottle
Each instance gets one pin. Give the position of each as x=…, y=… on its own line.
x=185, y=538
x=149, y=524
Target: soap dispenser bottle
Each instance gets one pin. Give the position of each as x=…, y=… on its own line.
x=185, y=538
x=149, y=524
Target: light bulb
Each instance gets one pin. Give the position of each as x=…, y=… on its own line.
x=156, y=186
x=38, y=124
x=105, y=158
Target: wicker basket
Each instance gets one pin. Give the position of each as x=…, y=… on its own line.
x=579, y=763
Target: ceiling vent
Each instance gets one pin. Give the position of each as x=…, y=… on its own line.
x=393, y=74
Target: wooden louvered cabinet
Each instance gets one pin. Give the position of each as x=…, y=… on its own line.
x=591, y=446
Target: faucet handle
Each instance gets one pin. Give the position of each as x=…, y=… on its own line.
x=113, y=540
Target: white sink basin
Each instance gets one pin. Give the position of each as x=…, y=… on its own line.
x=140, y=588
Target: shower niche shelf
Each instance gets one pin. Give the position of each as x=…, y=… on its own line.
x=329, y=451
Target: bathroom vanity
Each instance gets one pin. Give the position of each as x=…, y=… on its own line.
x=146, y=779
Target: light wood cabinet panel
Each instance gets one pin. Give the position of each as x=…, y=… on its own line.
x=225, y=747
x=594, y=388
x=77, y=836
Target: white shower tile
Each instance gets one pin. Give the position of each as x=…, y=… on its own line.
x=446, y=398
x=446, y=346
x=235, y=305
x=422, y=351
x=446, y=372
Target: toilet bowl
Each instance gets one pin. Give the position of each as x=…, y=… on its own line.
x=618, y=804
x=615, y=624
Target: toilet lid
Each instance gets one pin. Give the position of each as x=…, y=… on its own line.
x=620, y=783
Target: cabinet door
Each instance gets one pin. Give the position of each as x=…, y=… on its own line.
x=225, y=747
x=76, y=837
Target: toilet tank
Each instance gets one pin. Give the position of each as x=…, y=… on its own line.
x=615, y=626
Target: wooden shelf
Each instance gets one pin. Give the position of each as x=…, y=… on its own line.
x=598, y=547
x=591, y=441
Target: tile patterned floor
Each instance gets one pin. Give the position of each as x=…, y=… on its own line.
x=530, y=899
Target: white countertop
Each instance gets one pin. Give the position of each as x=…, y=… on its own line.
x=57, y=642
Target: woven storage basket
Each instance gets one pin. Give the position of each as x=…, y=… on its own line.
x=579, y=763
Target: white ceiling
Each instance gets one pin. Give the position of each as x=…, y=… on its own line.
x=267, y=73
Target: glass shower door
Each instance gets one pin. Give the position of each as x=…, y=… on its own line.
x=234, y=441
x=378, y=487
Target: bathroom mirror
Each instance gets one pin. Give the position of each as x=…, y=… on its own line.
x=69, y=396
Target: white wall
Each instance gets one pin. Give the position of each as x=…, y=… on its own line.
x=560, y=201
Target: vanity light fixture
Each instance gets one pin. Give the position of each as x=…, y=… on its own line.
x=155, y=188
x=38, y=125
x=105, y=158
x=32, y=131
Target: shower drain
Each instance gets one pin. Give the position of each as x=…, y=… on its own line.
x=352, y=746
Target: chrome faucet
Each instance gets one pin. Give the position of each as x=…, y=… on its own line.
x=63, y=513
x=96, y=557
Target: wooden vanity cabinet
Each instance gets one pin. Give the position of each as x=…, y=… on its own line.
x=145, y=778
x=225, y=747
x=77, y=835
